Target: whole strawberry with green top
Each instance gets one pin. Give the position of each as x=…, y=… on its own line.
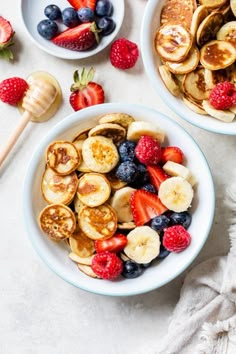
x=6, y=39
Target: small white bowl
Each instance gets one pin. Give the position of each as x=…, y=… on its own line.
x=150, y=24
x=32, y=12
x=55, y=255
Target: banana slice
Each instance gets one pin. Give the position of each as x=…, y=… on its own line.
x=187, y=65
x=126, y=225
x=100, y=154
x=143, y=244
x=99, y=222
x=81, y=245
x=57, y=221
x=193, y=105
x=227, y=33
x=82, y=167
x=226, y=115
x=62, y=157
x=233, y=6
x=93, y=189
x=175, y=169
x=139, y=128
x=199, y=15
x=122, y=119
x=209, y=27
x=211, y=4
x=194, y=85
x=173, y=42
x=120, y=202
x=217, y=55
x=176, y=194
x=110, y=130
x=81, y=260
x=169, y=80
x=115, y=182
x=58, y=189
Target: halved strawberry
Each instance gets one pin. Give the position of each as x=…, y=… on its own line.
x=115, y=244
x=172, y=153
x=77, y=4
x=6, y=36
x=145, y=206
x=157, y=175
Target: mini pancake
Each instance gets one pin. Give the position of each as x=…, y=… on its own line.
x=178, y=11
x=82, y=167
x=209, y=27
x=194, y=85
x=122, y=119
x=80, y=244
x=194, y=105
x=211, y=4
x=169, y=80
x=217, y=55
x=187, y=65
x=110, y=130
x=198, y=16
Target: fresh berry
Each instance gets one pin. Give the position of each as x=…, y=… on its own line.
x=160, y=222
x=6, y=39
x=106, y=24
x=103, y=8
x=79, y=38
x=114, y=244
x=157, y=175
x=124, y=54
x=85, y=92
x=47, y=29
x=223, y=95
x=176, y=238
x=12, y=90
x=143, y=176
x=183, y=218
x=148, y=150
x=53, y=12
x=132, y=270
x=126, y=150
x=85, y=14
x=107, y=265
x=70, y=17
x=145, y=206
x=172, y=153
x=77, y=4
x=163, y=252
x=149, y=187
x=127, y=171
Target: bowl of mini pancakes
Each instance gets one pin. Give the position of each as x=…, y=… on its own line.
x=188, y=48
x=72, y=198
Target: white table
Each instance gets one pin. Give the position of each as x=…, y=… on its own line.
x=39, y=312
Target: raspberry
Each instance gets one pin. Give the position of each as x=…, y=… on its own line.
x=223, y=95
x=124, y=54
x=148, y=150
x=12, y=90
x=176, y=238
x=107, y=265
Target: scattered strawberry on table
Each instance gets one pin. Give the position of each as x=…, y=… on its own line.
x=6, y=39
x=12, y=90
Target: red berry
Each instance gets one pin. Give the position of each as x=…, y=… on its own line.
x=176, y=238
x=124, y=54
x=157, y=175
x=148, y=150
x=12, y=90
x=114, y=244
x=223, y=95
x=78, y=4
x=107, y=265
x=172, y=153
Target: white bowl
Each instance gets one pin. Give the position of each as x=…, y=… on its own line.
x=56, y=255
x=150, y=24
x=32, y=12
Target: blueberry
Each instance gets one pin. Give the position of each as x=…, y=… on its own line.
x=184, y=218
x=149, y=187
x=70, y=17
x=127, y=171
x=106, y=24
x=160, y=222
x=126, y=149
x=53, y=12
x=132, y=269
x=85, y=14
x=47, y=29
x=142, y=178
x=163, y=252
x=103, y=8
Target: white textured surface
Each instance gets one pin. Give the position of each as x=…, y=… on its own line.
x=40, y=313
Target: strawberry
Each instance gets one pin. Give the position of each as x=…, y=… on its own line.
x=148, y=150
x=79, y=38
x=157, y=175
x=124, y=54
x=6, y=36
x=114, y=244
x=145, y=206
x=85, y=92
x=172, y=153
x=77, y=4
x=176, y=238
x=107, y=265
x=12, y=90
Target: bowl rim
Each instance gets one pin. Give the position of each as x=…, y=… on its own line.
x=28, y=182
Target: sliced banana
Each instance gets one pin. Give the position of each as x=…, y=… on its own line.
x=110, y=130
x=227, y=33
x=194, y=85
x=57, y=221
x=143, y=244
x=100, y=154
x=199, y=15
x=82, y=167
x=175, y=169
x=233, y=6
x=193, y=105
x=176, y=193
x=226, y=115
x=187, y=65
x=209, y=27
x=169, y=80
x=120, y=201
x=62, y=157
x=115, y=182
x=58, y=189
x=139, y=128
x=126, y=225
x=122, y=119
x=211, y=4
x=217, y=55
x=81, y=260
x=93, y=189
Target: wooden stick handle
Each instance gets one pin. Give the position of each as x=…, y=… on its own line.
x=15, y=135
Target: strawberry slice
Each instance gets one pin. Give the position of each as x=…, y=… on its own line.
x=79, y=38
x=77, y=4
x=157, y=175
x=172, y=153
x=145, y=206
x=6, y=31
x=114, y=244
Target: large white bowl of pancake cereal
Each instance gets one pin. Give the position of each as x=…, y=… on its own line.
x=89, y=210
x=189, y=49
